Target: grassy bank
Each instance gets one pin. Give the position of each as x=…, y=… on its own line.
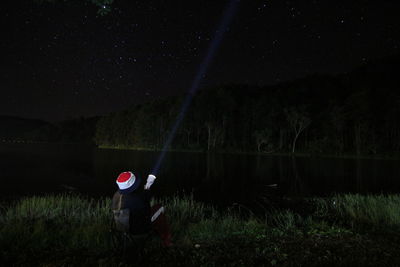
x=73, y=230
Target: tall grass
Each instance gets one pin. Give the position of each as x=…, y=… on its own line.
x=55, y=223
x=182, y=212
x=67, y=208
x=284, y=220
x=70, y=223
x=379, y=211
x=193, y=221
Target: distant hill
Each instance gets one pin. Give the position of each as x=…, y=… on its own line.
x=16, y=127
x=71, y=131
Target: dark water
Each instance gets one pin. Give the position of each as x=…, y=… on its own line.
x=218, y=178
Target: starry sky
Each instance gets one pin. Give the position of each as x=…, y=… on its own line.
x=62, y=61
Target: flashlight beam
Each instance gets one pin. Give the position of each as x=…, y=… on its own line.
x=212, y=48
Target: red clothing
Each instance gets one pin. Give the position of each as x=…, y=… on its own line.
x=160, y=225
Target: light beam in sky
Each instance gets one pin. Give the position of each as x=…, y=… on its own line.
x=212, y=48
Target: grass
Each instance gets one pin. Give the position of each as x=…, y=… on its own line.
x=74, y=230
x=55, y=223
x=377, y=211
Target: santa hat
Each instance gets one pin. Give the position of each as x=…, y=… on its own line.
x=127, y=182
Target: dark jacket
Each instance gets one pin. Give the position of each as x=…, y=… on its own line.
x=138, y=203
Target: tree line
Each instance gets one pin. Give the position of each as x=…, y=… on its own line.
x=354, y=113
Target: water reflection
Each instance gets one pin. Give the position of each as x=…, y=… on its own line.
x=222, y=178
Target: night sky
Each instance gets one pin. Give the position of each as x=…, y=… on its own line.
x=61, y=61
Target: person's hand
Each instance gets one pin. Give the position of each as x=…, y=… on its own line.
x=150, y=181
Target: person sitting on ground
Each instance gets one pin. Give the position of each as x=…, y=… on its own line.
x=132, y=211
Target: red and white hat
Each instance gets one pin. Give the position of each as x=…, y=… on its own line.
x=127, y=182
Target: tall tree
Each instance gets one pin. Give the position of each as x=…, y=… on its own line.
x=263, y=139
x=298, y=120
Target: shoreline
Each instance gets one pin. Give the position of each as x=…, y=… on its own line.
x=277, y=154
x=252, y=153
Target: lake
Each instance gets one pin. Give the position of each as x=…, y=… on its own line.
x=31, y=169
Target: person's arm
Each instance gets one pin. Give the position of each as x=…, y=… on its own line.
x=146, y=192
x=150, y=180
